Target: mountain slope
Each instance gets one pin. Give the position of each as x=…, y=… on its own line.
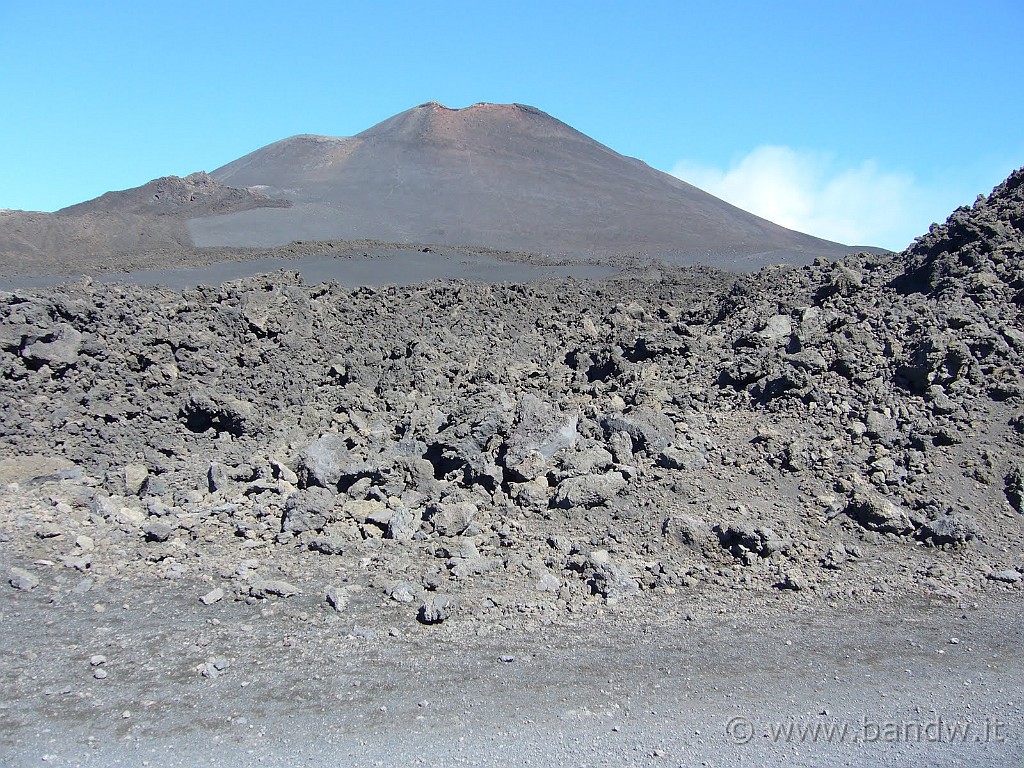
x=114, y=227
x=499, y=175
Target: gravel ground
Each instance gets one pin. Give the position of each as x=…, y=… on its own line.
x=913, y=683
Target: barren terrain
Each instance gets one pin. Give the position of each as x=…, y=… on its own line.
x=516, y=509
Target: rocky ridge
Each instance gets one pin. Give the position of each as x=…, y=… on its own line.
x=465, y=454
x=118, y=229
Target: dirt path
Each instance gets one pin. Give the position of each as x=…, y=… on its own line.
x=303, y=687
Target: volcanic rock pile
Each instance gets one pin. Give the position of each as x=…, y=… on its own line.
x=525, y=452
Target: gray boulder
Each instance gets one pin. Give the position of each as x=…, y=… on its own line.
x=587, y=461
x=437, y=608
x=687, y=531
x=541, y=430
x=450, y=518
x=744, y=539
x=329, y=545
x=1006, y=576
x=327, y=461
x=952, y=530
x=207, y=410
x=687, y=457
x=157, y=530
x=532, y=495
x=777, y=329
x=217, y=477
x=809, y=360
x=135, y=476
x=588, y=490
x=620, y=444
x=402, y=525
x=59, y=349
x=414, y=472
x=309, y=510
x=877, y=513
x=612, y=581
x=881, y=427
x=650, y=430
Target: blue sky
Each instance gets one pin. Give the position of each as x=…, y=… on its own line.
x=858, y=121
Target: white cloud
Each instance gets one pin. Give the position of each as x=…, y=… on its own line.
x=812, y=193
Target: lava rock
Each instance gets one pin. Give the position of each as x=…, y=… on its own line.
x=213, y=596
x=436, y=609
x=877, y=513
x=1007, y=576
x=157, y=530
x=59, y=349
x=23, y=580
x=311, y=509
x=541, y=430
x=1015, y=488
x=135, y=476
x=450, y=518
x=328, y=461
x=272, y=588
x=744, y=539
x=952, y=530
x=682, y=458
x=588, y=491
x=650, y=430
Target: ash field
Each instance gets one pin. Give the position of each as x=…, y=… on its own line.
x=599, y=503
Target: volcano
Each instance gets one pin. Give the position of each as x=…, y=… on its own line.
x=500, y=176
x=505, y=176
